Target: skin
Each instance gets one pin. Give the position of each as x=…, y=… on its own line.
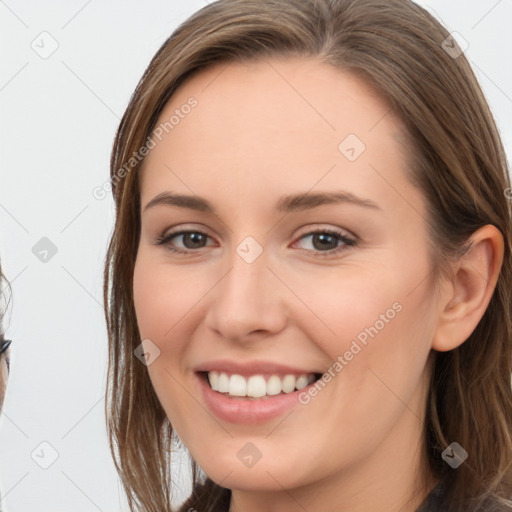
x=3, y=380
x=262, y=130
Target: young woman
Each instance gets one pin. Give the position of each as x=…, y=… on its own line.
x=309, y=280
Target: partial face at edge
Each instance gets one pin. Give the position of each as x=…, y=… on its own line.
x=259, y=132
x=4, y=374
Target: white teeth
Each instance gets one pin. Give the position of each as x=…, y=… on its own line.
x=214, y=380
x=237, y=386
x=256, y=386
x=223, y=383
x=302, y=382
x=288, y=383
x=274, y=385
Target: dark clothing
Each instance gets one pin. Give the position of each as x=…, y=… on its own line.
x=434, y=502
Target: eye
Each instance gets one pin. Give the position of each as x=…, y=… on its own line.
x=325, y=241
x=190, y=239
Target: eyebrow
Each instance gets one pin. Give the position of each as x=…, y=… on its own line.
x=290, y=203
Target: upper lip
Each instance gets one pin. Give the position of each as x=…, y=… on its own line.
x=251, y=368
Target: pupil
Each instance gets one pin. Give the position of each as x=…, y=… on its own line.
x=193, y=237
x=322, y=237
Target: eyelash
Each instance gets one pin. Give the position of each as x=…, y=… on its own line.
x=348, y=242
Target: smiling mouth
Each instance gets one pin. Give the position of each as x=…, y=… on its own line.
x=257, y=386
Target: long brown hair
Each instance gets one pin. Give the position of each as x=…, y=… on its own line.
x=458, y=162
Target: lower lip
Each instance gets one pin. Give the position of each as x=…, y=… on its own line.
x=247, y=411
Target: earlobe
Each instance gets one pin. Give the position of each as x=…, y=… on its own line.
x=463, y=301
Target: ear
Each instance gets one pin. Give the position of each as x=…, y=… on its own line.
x=465, y=299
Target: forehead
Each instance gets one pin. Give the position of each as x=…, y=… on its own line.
x=283, y=124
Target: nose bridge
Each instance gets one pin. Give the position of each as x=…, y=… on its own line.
x=245, y=300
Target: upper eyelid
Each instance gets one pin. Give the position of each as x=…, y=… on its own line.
x=183, y=230
x=309, y=230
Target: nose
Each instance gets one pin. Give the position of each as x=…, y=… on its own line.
x=248, y=301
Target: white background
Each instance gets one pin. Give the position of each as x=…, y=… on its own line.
x=58, y=119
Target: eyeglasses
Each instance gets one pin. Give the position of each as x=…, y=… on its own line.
x=4, y=351
x=5, y=345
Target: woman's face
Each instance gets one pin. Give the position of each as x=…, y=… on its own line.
x=281, y=150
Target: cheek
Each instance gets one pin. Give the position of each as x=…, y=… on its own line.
x=381, y=324
x=167, y=301
x=3, y=379
x=356, y=306
x=162, y=297
x=158, y=307
x=146, y=299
